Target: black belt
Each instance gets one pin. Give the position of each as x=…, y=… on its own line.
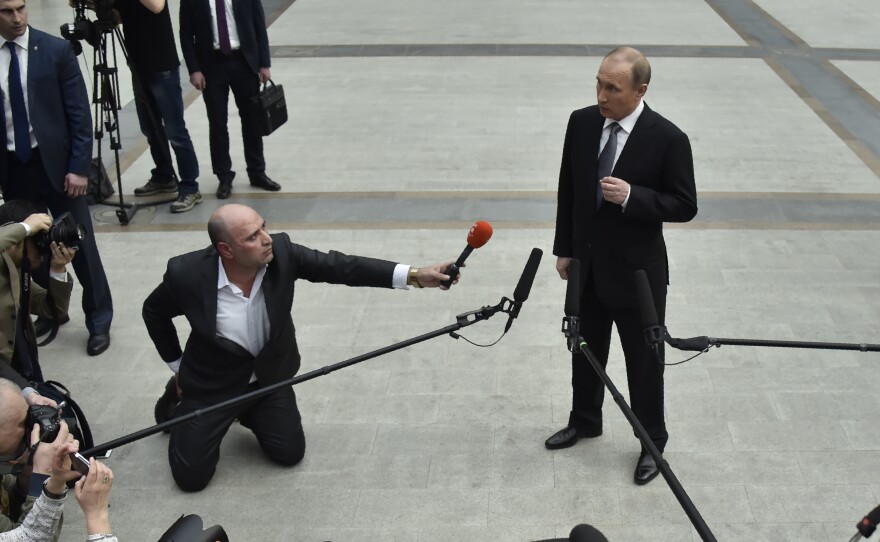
x=235, y=53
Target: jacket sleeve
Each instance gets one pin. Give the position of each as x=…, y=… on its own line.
x=676, y=198
x=159, y=311
x=562, y=244
x=187, y=33
x=76, y=110
x=262, y=34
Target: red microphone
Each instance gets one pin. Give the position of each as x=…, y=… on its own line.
x=479, y=235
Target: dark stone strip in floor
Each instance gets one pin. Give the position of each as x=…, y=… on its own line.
x=342, y=211
x=505, y=50
x=834, y=99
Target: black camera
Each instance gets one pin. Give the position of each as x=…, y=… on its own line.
x=64, y=230
x=89, y=31
x=49, y=419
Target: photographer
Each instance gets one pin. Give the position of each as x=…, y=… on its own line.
x=22, y=222
x=155, y=69
x=36, y=498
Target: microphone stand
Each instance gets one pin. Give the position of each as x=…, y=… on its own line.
x=571, y=332
x=462, y=320
x=698, y=344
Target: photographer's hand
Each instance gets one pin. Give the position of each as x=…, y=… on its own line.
x=53, y=458
x=75, y=185
x=61, y=256
x=38, y=222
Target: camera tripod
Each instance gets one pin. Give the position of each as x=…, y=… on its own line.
x=106, y=104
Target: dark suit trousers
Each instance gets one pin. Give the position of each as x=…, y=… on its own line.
x=29, y=181
x=225, y=74
x=644, y=373
x=194, y=447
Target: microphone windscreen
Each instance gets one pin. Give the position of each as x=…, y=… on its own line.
x=572, y=290
x=586, y=533
x=646, y=300
x=480, y=234
x=524, y=286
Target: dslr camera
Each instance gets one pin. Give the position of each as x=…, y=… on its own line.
x=49, y=420
x=63, y=230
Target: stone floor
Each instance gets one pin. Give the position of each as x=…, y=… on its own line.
x=409, y=120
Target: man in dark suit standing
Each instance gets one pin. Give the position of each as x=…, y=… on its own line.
x=48, y=146
x=226, y=47
x=625, y=170
x=237, y=296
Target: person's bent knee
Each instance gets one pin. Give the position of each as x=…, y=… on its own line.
x=191, y=480
x=290, y=456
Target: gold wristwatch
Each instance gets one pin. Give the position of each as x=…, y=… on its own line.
x=412, y=278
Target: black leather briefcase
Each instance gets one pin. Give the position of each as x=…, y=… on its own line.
x=268, y=108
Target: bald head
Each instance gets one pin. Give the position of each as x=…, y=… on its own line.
x=239, y=234
x=639, y=68
x=13, y=411
x=225, y=218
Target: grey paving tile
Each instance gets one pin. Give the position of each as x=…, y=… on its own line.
x=826, y=406
x=785, y=532
x=565, y=507
x=860, y=435
x=507, y=469
x=822, y=503
x=788, y=436
x=362, y=472
x=838, y=467
x=696, y=469
x=433, y=438
x=423, y=507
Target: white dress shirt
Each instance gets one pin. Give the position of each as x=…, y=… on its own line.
x=626, y=127
x=230, y=24
x=21, y=48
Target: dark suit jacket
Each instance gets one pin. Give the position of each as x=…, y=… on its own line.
x=58, y=106
x=613, y=244
x=214, y=368
x=197, y=39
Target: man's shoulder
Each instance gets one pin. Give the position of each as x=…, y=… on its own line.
x=589, y=112
x=45, y=39
x=192, y=260
x=659, y=122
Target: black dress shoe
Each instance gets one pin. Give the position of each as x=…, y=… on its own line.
x=224, y=190
x=166, y=404
x=261, y=180
x=98, y=342
x=646, y=469
x=42, y=326
x=567, y=437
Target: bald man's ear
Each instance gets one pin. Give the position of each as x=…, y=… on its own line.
x=224, y=250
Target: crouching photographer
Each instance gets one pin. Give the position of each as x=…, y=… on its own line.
x=27, y=236
x=36, y=472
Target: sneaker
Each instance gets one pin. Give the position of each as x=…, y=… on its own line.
x=186, y=202
x=155, y=187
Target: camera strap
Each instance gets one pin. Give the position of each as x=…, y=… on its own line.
x=25, y=341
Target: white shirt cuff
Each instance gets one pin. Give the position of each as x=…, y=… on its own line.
x=175, y=365
x=27, y=229
x=626, y=199
x=400, y=275
x=60, y=277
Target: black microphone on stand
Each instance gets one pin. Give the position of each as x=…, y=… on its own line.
x=524, y=286
x=571, y=322
x=479, y=235
x=653, y=331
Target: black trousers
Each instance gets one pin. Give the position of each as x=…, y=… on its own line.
x=644, y=373
x=194, y=447
x=225, y=74
x=29, y=181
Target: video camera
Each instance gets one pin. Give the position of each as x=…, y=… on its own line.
x=82, y=29
x=64, y=230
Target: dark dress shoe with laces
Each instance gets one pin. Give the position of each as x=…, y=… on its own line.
x=43, y=326
x=224, y=189
x=646, y=470
x=98, y=342
x=263, y=181
x=567, y=437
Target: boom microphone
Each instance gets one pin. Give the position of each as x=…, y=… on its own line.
x=653, y=331
x=868, y=524
x=571, y=322
x=524, y=286
x=694, y=344
x=586, y=533
x=478, y=236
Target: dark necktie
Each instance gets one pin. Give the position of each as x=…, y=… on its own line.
x=222, y=27
x=606, y=161
x=20, y=122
